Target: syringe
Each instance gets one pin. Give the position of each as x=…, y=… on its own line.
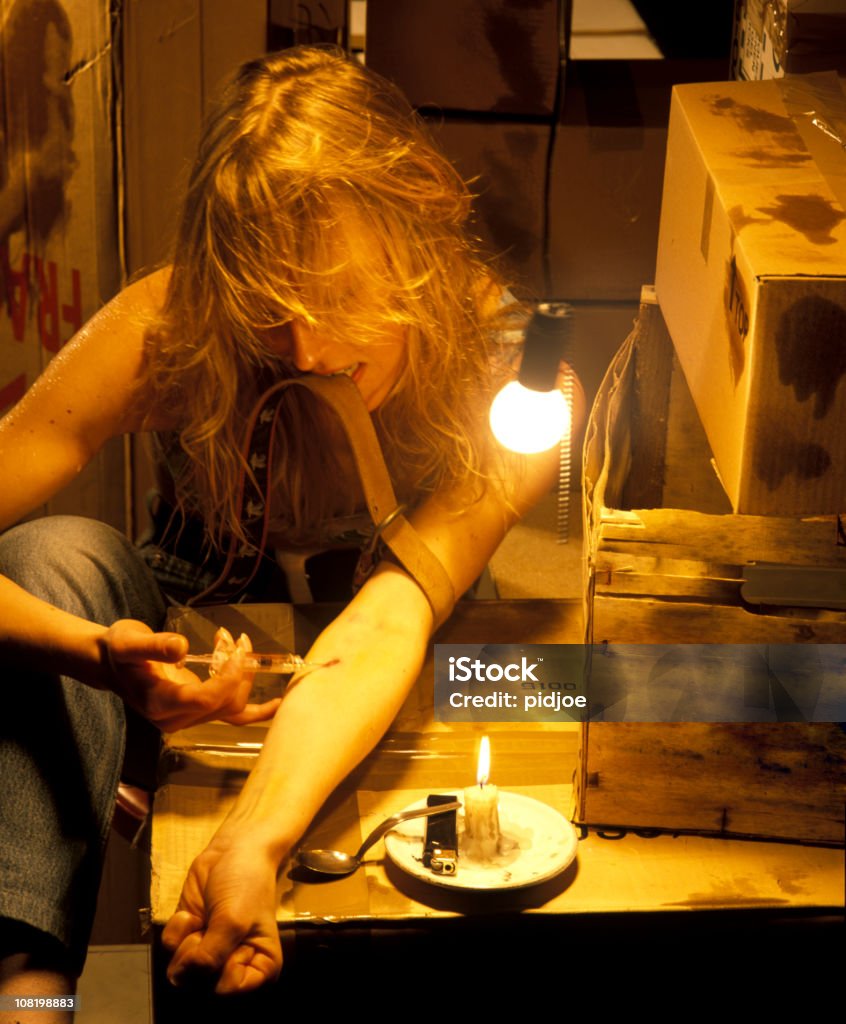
x=279, y=664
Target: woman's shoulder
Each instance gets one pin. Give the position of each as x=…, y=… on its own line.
x=145, y=294
x=129, y=313
x=107, y=355
x=140, y=308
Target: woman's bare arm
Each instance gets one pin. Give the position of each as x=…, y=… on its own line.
x=329, y=721
x=85, y=396
x=88, y=394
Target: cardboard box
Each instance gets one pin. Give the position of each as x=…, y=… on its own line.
x=751, y=278
x=585, y=227
x=606, y=175
x=605, y=185
x=174, y=60
x=306, y=23
x=504, y=163
x=175, y=57
x=773, y=38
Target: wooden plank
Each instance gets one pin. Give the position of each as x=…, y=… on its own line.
x=656, y=621
x=612, y=563
x=728, y=539
x=702, y=589
x=784, y=780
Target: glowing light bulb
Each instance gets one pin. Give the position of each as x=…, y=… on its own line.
x=528, y=421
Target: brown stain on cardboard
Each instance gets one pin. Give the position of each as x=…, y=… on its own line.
x=738, y=892
x=815, y=217
x=792, y=882
x=740, y=219
x=518, y=59
x=763, y=157
x=505, y=203
x=756, y=119
x=736, y=307
x=810, y=343
x=811, y=356
x=36, y=119
x=803, y=459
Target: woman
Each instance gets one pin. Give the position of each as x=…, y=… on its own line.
x=322, y=235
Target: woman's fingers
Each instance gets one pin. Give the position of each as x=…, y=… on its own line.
x=248, y=968
x=254, y=713
x=237, y=966
x=224, y=933
x=146, y=673
x=179, y=927
x=131, y=641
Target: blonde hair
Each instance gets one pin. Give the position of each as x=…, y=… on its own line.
x=306, y=149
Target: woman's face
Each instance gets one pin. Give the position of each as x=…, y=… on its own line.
x=375, y=358
x=374, y=366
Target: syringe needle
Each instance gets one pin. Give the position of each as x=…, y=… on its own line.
x=278, y=664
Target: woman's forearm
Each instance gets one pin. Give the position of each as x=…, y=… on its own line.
x=36, y=634
x=333, y=717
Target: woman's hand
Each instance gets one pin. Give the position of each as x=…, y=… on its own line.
x=224, y=932
x=144, y=669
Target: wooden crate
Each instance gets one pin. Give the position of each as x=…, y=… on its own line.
x=668, y=563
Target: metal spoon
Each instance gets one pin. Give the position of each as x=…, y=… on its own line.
x=334, y=862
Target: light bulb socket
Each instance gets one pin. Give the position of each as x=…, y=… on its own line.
x=546, y=344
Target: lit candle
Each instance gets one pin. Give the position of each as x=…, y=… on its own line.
x=481, y=815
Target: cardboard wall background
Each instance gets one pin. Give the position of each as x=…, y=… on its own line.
x=175, y=56
x=101, y=111
x=58, y=206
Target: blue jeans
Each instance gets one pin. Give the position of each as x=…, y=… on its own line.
x=62, y=743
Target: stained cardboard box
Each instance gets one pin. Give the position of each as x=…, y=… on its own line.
x=504, y=164
x=572, y=207
x=751, y=279
x=606, y=175
x=773, y=38
x=667, y=561
x=499, y=56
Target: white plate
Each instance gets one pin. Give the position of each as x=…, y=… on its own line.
x=544, y=844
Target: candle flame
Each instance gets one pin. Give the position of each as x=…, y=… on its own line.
x=483, y=768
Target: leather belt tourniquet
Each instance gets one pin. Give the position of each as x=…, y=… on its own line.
x=392, y=527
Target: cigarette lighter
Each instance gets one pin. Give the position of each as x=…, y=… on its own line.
x=440, y=848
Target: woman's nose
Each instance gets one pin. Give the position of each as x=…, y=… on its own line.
x=307, y=347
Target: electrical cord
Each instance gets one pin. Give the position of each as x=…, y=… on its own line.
x=565, y=451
